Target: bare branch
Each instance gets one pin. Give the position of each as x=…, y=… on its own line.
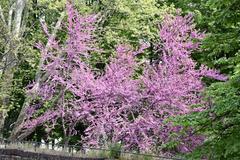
x=2, y=68
x=10, y=14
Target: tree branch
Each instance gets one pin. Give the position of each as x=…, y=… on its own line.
x=10, y=14
x=21, y=118
x=2, y=15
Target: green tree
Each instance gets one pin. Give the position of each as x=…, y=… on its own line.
x=131, y=22
x=219, y=123
x=12, y=21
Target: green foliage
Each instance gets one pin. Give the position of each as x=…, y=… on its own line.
x=115, y=150
x=22, y=76
x=126, y=22
x=220, y=123
x=133, y=20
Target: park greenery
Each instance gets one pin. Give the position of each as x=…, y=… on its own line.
x=147, y=76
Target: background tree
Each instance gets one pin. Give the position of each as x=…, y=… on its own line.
x=12, y=30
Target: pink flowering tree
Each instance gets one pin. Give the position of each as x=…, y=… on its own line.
x=134, y=111
x=68, y=80
x=116, y=105
x=173, y=85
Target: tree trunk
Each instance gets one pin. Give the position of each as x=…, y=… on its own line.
x=3, y=115
x=10, y=56
x=18, y=19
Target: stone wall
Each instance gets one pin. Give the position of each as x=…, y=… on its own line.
x=15, y=154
